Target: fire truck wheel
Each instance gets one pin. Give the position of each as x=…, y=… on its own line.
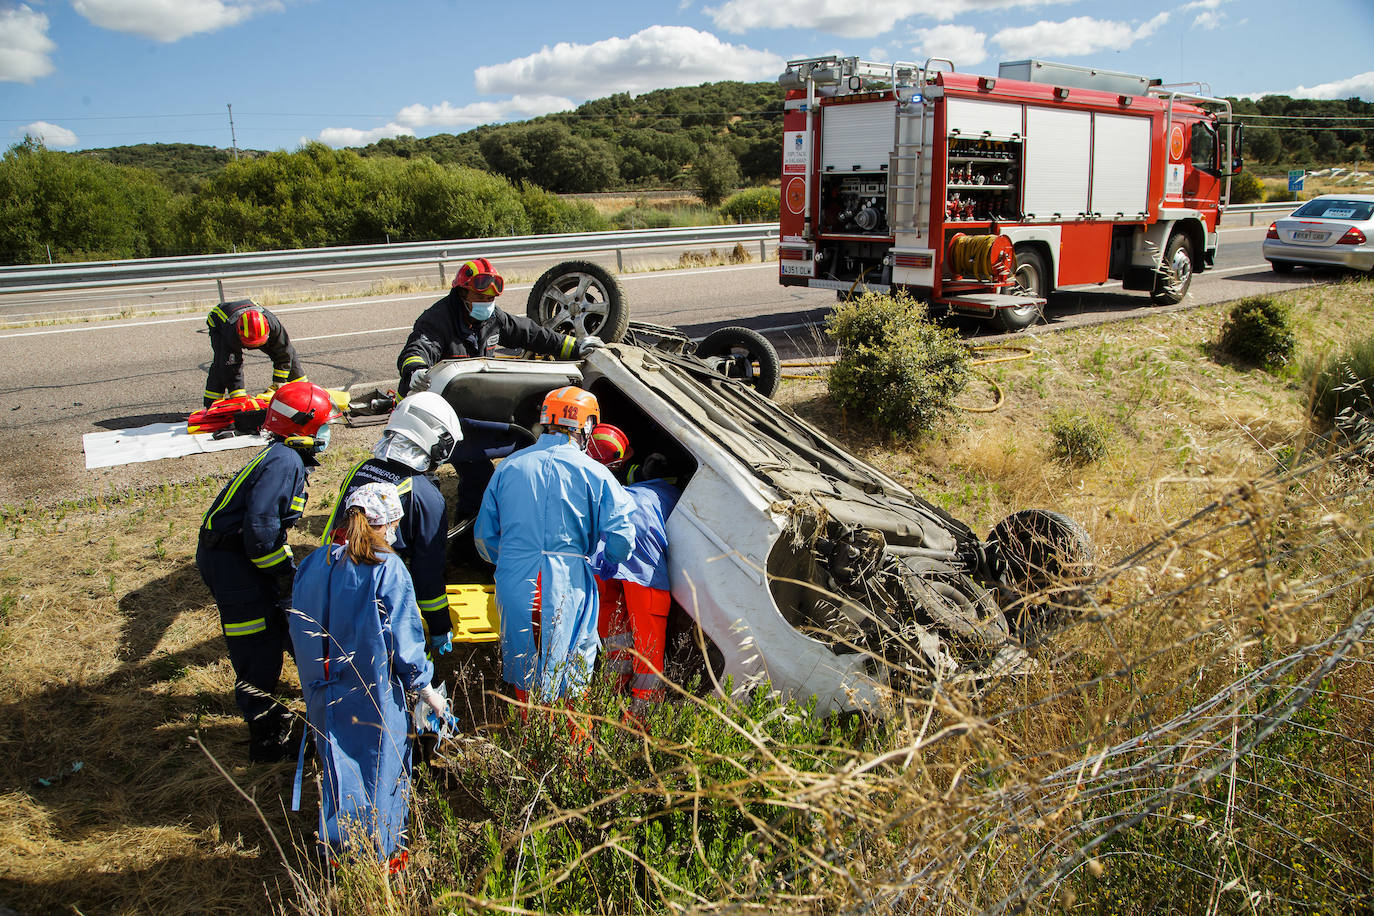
x=579, y=298
x=744, y=354
x=1175, y=271
x=1031, y=278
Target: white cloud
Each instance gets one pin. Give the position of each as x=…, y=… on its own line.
x=1074, y=37
x=520, y=107
x=848, y=18
x=170, y=20
x=52, y=135
x=353, y=136
x=1209, y=20
x=24, y=45
x=1359, y=86
x=962, y=44
x=413, y=118
x=658, y=57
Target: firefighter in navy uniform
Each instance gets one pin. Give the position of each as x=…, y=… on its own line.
x=234, y=326
x=467, y=323
x=247, y=565
x=419, y=436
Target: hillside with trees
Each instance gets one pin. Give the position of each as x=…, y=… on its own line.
x=164, y=199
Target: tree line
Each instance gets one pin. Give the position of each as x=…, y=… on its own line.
x=160, y=199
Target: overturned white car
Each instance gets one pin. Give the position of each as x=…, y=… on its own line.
x=798, y=562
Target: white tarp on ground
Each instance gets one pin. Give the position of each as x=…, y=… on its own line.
x=155, y=441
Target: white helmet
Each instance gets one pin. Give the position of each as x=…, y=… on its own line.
x=421, y=433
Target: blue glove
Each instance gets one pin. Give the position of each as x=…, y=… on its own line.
x=441, y=643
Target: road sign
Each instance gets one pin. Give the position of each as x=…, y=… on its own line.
x=1295, y=177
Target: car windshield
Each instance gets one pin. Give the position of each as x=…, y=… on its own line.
x=1337, y=208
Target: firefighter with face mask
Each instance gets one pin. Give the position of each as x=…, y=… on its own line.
x=419, y=436
x=247, y=565
x=467, y=323
x=243, y=325
x=634, y=593
x=546, y=508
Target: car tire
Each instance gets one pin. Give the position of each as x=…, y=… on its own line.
x=579, y=298
x=1175, y=271
x=1046, y=556
x=743, y=354
x=1282, y=267
x=1032, y=278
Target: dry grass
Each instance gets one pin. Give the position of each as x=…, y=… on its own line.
x=1198, y=634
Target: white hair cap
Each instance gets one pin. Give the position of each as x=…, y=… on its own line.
x=380, y=502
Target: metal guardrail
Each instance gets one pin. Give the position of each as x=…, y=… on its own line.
x=45, y=277
x=1286, y=206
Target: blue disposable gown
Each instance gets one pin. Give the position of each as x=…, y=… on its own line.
x=648, y=562
x=543, y=513
x=364, y=621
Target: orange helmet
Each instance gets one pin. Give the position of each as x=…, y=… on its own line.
x=571, y=408
x=478, y=276
x=609, y=445
x=299, y=409
x=252, y=327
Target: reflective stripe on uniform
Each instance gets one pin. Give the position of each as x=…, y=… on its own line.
x=568, y=344
x=216, y=312
x=232, y=489
x=246, y=627
x=213, y=395
x=338, y=501
x=281, y=373
x=404, y=486
x=414, y=359
x=272, y=559
x=298, y=504
x=434, y=604
x=238, y=393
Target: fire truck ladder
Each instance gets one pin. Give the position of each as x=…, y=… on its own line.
x=911, y=168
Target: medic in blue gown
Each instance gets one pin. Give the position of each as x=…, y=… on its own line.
x=541, y=517
x=359, y=649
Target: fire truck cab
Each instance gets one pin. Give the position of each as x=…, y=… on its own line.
x=981, y=195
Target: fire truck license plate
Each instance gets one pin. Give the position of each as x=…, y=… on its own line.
x=1308, y=235
x=802, y=269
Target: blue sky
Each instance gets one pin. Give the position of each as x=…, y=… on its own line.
x=96, y=73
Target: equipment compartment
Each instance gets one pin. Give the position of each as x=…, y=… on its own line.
x=983, y=180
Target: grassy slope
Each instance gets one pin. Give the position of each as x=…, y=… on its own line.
x=110, y=652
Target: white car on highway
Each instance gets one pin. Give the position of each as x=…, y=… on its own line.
x=1333, y=230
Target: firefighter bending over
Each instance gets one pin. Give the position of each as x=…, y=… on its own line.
x=236, y=326
x=246, y=563
x=542, y=515
x=634, y=594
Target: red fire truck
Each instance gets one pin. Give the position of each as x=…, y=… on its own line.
x=983, y=194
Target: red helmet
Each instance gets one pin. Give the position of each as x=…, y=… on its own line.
x=478, y=276
x=609, y=445
x=299, y=409
x=252, y=327
x=571, y=408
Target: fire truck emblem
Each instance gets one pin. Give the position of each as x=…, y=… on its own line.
x=1176, y=143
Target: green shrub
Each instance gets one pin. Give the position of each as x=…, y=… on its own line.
x=1078, y=438
x=895, y=366
x=1258, y=332
x=1246, y=189
x=756, y=205
x=697, y=813
x=1342, y=387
